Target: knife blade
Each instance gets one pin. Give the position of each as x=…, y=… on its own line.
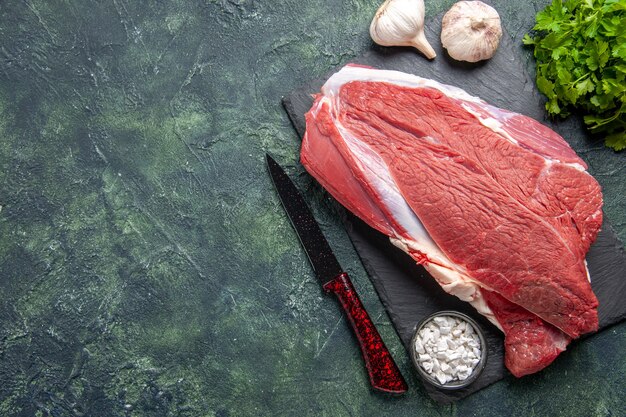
x=383, y=372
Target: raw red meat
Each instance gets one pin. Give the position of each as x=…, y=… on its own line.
x=496, y=206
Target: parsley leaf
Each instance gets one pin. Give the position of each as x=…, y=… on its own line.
x=580, y=49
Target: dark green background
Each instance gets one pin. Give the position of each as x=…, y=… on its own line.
x=146, y=266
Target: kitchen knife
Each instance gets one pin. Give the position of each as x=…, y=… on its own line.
x=382, y=370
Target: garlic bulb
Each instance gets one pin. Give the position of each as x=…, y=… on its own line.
x=401, y=23
x=471, y=31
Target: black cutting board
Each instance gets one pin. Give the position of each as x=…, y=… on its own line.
x=406, y=290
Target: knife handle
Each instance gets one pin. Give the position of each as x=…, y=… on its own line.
x=383, y=372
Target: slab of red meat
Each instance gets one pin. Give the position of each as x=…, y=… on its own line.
x=497, y=207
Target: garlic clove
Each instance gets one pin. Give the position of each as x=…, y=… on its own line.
x=401, y=23
x=422, y=45
x=471, y=31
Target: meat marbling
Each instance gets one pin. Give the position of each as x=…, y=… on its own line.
x=496, y=206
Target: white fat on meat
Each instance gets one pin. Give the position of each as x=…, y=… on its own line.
x=489, y=116
x=496, y=125
x=352, y=73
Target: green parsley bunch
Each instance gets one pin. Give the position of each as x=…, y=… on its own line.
x=580, y=48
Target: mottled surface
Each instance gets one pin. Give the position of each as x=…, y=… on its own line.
x=146, y=266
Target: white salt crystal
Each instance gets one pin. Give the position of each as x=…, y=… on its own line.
x=442, y=346
x=436, y=334
x=441, y=321
x=419, y=347
x=446, y=368
x=441, y=377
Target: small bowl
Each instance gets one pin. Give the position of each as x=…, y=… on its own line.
x=452, y=385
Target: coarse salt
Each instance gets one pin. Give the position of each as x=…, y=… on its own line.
x=448, y=349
